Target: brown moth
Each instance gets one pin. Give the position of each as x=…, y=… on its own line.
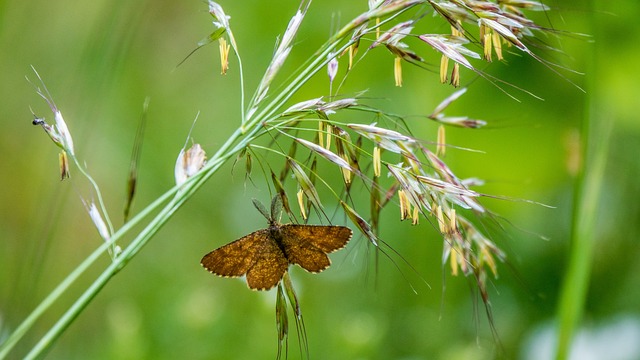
x=264, y=255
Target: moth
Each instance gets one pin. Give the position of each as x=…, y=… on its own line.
x=264, y=255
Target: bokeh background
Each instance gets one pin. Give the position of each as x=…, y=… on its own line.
x=101, y=59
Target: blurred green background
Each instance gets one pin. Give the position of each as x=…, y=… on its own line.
x=100, y=59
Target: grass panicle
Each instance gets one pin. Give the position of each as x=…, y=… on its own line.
x=376, y=154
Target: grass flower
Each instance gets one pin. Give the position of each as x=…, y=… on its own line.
x=95, y=216
x=189, y=163
x=63, y=161
x=374, y=152
x=224, y=55
x=332, y=67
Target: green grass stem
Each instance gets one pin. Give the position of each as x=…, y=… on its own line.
x=595, y=136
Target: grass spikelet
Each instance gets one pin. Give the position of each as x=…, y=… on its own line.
x=377, y=154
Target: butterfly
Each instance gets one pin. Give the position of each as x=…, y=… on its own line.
x=264, y=255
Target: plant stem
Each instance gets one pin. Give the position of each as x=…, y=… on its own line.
x=73, y=276
x=121, y=261
x=184, y=193
x=595, y=139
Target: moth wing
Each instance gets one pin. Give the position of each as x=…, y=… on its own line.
x=326, y=238
x=307, y=245
x=235, y=258
x=268, y=268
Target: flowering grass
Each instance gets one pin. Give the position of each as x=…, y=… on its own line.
x=376, y=153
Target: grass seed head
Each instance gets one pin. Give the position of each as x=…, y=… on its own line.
x=189, y=163
x=224, y=55
x=63, y=162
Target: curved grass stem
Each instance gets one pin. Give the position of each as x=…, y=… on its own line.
x=182, y=193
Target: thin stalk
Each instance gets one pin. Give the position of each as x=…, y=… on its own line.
x=397, y=8
x=304, y=75
x=242, y=91
x=151, y=229
x=21, y=330
x=187, y=190
x=121, y=261
x=595, y=134
x=321, y=59
x=103, y=208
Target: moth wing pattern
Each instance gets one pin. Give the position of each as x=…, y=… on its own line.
x=264, y=255
x=269, y=266
x=326, y=238
x=307, y=245
x=236, y=258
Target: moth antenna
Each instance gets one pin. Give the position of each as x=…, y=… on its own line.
x=276, y=208
x=261, y=209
